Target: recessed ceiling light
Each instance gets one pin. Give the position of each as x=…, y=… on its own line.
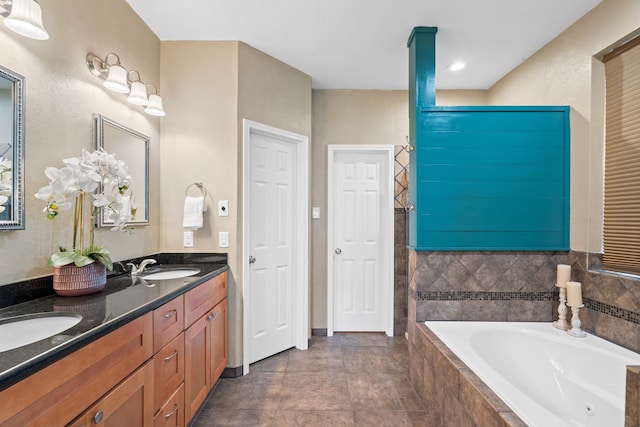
x=456, y=66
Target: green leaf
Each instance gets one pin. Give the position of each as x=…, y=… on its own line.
x=104, y=259
x=86, y=257
x=82, y=260
x=61, y=259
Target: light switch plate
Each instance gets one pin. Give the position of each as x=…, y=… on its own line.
x=188, y=239
x=223, y=208
x=223, y=239
x=315, y=212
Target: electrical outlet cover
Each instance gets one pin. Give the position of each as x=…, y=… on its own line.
x=223, y=208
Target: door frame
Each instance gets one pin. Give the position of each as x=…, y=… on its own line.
x=301, y=256
x=387, y=229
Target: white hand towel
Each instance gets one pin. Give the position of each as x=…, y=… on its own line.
x=125, y=210
x=193, y=208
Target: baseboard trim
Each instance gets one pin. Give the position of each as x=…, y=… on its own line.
x=232, y=372
x=319, y=332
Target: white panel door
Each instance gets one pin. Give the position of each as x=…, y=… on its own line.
x=272, y=245
x=359, y=265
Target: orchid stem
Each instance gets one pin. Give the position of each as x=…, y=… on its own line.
x=76, y=217
x=81, y=198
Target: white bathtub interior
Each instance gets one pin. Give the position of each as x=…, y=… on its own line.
x=546, y=376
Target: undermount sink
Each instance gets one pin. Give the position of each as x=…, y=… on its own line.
x=22, y=330
x=174, y=273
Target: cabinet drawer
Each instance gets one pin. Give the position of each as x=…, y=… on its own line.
x=201, y=299
x=172, y=412
x=169, y=370
x=168, y=322
x=61, y=391
x=128, y=404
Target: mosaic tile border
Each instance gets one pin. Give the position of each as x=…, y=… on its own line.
x=600, y=307
x=481, y=296
x=612, y=310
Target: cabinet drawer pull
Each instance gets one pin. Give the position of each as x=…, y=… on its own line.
x=171, y=313
x=98, y=417
x=213, y=314
x=175, y=409
x=171, y=356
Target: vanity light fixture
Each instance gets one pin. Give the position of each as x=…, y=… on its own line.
x=155, y=104
x=138, y=94
x=118, y=79
x=24, y=17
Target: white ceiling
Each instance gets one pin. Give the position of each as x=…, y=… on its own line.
x=362, y=44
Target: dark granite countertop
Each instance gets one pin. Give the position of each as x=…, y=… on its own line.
x=123, y=299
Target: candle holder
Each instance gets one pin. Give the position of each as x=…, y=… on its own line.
x=562, y=323
x=575, y=330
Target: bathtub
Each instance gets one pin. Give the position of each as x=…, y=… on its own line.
x=547, y=377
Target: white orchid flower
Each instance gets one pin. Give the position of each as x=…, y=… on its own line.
x=98, y=174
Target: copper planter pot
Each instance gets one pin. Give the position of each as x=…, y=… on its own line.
x=71, y=280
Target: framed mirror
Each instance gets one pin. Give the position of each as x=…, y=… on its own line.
x=133, y=148
x=11, y=150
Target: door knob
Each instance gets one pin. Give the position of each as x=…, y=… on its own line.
x=338, y=251
x=252, y=260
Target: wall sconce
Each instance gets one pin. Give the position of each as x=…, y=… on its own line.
x=117, y=79
x=155, y=104
x=24, y=17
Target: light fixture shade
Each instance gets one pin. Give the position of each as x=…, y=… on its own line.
x=117, y=79
x=138, y=94
x=155, y=106
x=26, y=19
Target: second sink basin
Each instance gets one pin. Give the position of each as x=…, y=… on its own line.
x=22, y=330
x=174, y=273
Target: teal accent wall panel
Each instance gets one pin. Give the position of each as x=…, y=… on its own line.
x=490, y=178
x=422, y=89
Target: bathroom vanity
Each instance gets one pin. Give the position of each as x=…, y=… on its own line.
x=146, y=353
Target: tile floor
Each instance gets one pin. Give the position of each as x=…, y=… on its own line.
x=344, y=380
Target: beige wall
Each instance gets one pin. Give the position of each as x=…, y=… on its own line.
x=61, y=97
x=214, y=85
x=345, y=117
x=355, y=117
x=565, y=73
x=272, y=93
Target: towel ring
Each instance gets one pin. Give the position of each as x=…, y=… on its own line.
x=200, y=187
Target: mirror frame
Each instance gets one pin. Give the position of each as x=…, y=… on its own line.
x=17, y=206
x=100, y=123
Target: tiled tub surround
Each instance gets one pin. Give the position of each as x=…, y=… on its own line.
x=490, y=286
x=520, y=286
x=455, y=396
x=508, y=286
x=612, y=301
x=400, y=273
x=451, y=393
x=632, y=404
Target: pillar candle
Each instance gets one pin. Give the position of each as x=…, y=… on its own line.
x=574, y=294
x=563, y=275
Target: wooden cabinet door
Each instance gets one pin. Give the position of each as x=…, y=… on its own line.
x=197, y=372
x=128, y=404
x=219, y=340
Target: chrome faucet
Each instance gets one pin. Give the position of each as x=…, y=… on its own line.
x=139, y=269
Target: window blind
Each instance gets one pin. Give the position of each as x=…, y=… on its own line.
x=622, y=159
